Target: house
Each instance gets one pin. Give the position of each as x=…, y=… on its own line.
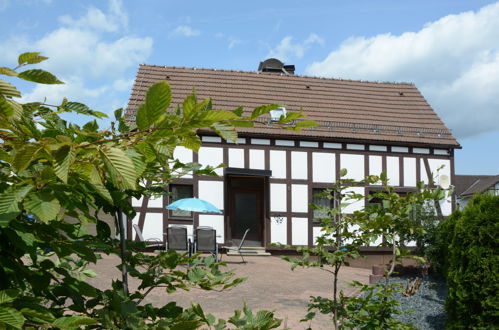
x=272, y=174
x=468, y=185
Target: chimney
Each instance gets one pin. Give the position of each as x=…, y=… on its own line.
x=276, y=66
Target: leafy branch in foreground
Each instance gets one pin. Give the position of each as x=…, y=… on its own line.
x=58, y=178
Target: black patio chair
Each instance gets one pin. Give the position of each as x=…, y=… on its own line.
x=206, y=241
x=176, y=237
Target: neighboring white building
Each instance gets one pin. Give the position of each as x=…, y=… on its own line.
x=272, y=173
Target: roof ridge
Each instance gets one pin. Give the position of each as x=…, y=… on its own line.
x=280, y=74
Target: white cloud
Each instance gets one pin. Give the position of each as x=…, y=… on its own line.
x=114, y=20
x=92, y=54
x=454, y=61
x=74, y=89
x=184, y=31
x=287, y=49
x=314, y=38
x=233, y=42
x=84, y=47
x=122, y=85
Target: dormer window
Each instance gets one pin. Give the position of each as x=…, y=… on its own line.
x=276, y=114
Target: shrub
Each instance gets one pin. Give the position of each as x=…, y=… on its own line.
x=472, y=301
x=436, y=243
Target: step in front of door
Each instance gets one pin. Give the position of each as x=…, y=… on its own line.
x=250, y=251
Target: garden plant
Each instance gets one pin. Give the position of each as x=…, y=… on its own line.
x=52, y=170
x=388, y=215
x=471, y=246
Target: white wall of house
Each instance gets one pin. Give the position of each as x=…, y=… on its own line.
x=257, y=159
x=410, y=172
x=278, y=197
x=211, y=156
x=323, y=167
x=299, y=165
x=213, y=192
x=299, y=232
x=278, y=164
x=296, y=180
x=236, y=157
x=278, y=230
x=216, y=222
x=354, y=165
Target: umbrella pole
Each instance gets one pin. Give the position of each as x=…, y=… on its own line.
x=124, y=270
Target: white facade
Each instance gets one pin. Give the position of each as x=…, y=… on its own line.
x=289, y=171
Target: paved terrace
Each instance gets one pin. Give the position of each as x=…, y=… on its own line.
x=270, y=285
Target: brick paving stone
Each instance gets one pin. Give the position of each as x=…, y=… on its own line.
x=270, y=285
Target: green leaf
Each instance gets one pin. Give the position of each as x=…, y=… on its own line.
x=83, y=109
x=96, y=182
x=343, y=172
x=147, y=150
x=118, y=113
x=43, y=206
x=192, y=142
x=9, y=200
x=238, y=111
x=38, y=314
x=158, y=99
x=141, y=118
x=306, y=123
x=258, y=111
x=39, y=76
x=30, y=58
x=8, y=89
x=120, y=168
x=226, y=131
x=6, y=108
x=73, y=322
x=138, y=161
x=219, y=115
x=11, y=317
x=7, y=71
x=8, y=295
x=291, y=116
x=189, y=105
x=64, y=156
x=24, y=156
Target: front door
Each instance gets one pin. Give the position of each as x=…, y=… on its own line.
x=246, y=209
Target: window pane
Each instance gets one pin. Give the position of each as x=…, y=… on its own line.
x=320, y=201
x=179, y=192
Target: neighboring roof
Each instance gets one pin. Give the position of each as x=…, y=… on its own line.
x=467, y=185
x=361, y=110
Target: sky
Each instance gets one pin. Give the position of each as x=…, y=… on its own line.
x=448, y=48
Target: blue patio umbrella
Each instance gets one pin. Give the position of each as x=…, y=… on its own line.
x=193, y=205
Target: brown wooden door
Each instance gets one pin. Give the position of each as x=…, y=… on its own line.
x=247, y=212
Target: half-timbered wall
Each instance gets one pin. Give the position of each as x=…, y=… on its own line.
x=297, y=167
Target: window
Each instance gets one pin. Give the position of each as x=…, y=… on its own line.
x=320, y=200
x=179, y=191
x=494, y=190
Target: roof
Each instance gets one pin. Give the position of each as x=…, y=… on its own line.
x=344, y=109
x=467, y=185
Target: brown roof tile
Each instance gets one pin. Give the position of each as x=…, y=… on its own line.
x=347, y=109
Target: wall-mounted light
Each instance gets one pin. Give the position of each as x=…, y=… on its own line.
x=278, y=219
